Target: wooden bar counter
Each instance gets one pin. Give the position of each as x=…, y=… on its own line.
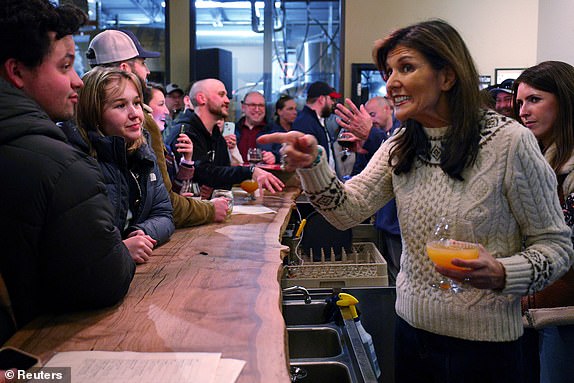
x=213, y=288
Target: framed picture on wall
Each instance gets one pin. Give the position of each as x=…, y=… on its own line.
x=501, y=74
x=366, y=83
x=484, y=81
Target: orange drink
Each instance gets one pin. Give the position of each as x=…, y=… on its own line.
x=249, y=186
x=443, y=252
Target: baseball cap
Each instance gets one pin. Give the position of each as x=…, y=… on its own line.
x=505, y=86
x=320, y=88
x=173, y=88
x=113, y=45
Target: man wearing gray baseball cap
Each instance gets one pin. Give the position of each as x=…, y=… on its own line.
x=120, y=48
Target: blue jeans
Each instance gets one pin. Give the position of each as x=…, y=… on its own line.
x=421, y=356
x=557, y=354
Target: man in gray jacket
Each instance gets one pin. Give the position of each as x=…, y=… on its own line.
x=60, y=249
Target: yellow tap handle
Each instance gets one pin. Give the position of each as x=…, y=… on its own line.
x=347, y=300
x=300, y=229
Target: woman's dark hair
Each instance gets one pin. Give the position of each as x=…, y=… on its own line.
x=443, y=47
x=554, y=77
x=147, y=91
x=280, y=104
x=24, y=27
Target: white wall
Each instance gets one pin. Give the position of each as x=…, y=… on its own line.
x=248, y=60
x=498, y=33
x=556, y=31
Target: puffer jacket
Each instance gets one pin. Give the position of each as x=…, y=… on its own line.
x=187, y=211
x=60, y=249
x=134, y=184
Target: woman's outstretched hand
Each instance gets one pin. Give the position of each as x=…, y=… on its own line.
x=299, y=150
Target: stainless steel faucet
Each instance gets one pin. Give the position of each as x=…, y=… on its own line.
x=299, y=289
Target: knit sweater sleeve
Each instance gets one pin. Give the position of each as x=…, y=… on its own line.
x=531, y=188
x=359, y=198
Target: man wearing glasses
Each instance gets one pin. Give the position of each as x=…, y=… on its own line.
x=252, y=125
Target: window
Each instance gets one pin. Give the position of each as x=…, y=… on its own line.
x=145, y=18
x=303, y=45
x=300, y=45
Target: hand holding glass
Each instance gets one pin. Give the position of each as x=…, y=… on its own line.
x=345, y=139
x=451, y=239
x=254, y=156
x=228, y=194
x=186, y=188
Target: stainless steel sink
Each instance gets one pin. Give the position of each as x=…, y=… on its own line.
x=298, y=313
x=320, y=350
x=327, y=372
x=313, y=342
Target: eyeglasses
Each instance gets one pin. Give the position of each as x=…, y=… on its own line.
x=253, y=106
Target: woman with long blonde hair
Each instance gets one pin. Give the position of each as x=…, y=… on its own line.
x=110, y=118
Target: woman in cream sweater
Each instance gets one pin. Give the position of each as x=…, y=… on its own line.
x=449, y=159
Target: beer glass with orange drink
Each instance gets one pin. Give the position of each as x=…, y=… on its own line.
x=249, y=186
x=451, y=239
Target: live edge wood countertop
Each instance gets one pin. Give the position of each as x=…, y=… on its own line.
x=213, y=288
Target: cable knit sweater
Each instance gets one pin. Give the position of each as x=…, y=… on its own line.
x=510, y=197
